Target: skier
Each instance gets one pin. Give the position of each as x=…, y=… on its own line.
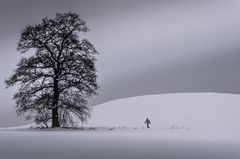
x=148, y=122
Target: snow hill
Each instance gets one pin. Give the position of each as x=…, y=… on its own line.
x=179, y=123
x=206, y=111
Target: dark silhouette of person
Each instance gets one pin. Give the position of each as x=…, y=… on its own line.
x=148, y=122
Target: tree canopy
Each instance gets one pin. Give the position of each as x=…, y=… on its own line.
x=57, y=79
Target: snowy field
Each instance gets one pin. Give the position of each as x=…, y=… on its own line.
x=115, y=144
x=184, y=126
x=212, y=112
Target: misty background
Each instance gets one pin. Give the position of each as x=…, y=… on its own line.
x=146, y=47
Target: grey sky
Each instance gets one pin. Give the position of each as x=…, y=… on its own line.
x=145, y=46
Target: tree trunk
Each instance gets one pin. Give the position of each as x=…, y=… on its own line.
x=55, y=118
x=55, y=122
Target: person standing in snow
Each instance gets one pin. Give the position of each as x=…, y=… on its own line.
x=148, y=122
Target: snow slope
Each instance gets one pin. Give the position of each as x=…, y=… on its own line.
x=191, y=115
x=27, y=126
x=193, y=111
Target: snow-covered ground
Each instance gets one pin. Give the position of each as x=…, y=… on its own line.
x=184, y=126
x=212, y=112
x=115, y=144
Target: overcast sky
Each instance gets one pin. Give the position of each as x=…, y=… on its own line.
x=146, y=47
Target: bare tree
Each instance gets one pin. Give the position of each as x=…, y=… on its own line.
x=57, y=79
